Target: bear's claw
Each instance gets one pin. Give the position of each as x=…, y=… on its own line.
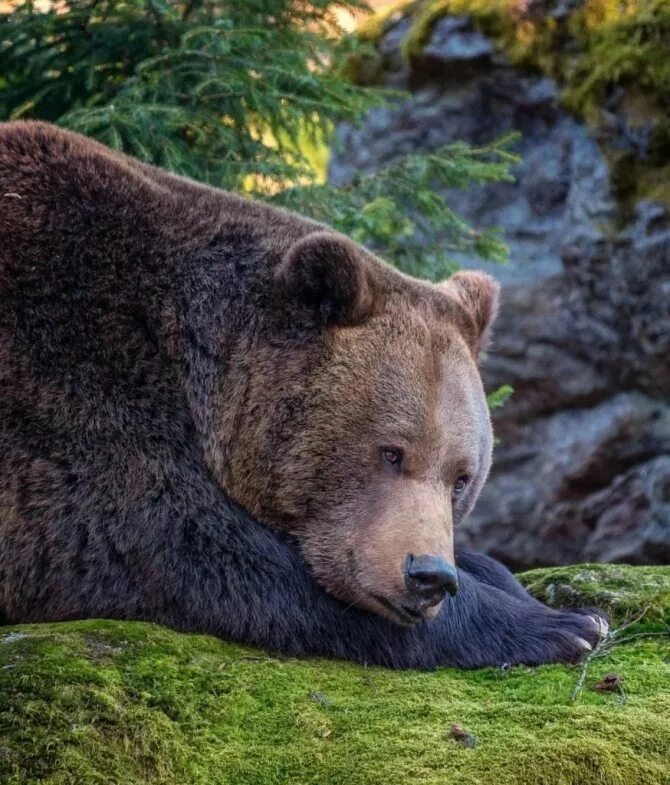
x=584, y=644
x=603, y=626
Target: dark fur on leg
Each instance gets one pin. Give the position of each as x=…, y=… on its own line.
x=488, y=570
x=213, y=569
x=267, y=597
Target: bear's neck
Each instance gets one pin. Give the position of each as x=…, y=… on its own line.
x=224, y=306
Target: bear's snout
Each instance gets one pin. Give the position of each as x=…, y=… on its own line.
x=428, y=578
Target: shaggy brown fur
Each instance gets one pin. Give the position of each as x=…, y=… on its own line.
x=166, y=347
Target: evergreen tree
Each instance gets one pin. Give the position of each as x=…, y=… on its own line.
x=243, y=94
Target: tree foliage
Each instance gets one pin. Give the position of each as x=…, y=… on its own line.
x=243, y=94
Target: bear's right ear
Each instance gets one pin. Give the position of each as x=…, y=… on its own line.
x=477, y=294
x=325, y=278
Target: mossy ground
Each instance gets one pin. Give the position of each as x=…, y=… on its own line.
x=600, y=49
x=128, y=703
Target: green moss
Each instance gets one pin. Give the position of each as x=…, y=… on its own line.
x=490, y=15
x=364, y=65
x=624, y=592
x=602, y=45
x=374, y=26
x=654, y=184
x=624, y=44
x=130, y=703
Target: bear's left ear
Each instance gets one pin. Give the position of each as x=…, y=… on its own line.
x=477, y=295
x=325, y=278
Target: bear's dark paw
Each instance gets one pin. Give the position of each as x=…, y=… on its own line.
x=569, y=635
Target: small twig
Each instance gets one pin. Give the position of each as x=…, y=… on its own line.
x=607, y=644
x=642, y=635
x=630, y=622
x=593, y=654
x=622, y=698
x=367, y=679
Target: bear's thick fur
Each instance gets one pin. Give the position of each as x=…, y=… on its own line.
x=178, y=363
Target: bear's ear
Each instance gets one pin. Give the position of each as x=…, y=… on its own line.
x=326, y=278
x=477, y=295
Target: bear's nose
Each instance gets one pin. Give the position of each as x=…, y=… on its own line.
x=430, y=577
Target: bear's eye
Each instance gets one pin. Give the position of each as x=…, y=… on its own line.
x=461, y=484
x=392, y=455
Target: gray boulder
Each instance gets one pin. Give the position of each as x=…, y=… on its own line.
x=582, y=467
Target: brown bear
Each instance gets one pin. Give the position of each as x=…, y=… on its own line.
x=226, y=418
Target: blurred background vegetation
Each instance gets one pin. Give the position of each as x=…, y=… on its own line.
x=243, y=94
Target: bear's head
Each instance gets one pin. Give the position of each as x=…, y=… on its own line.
x=363, y=429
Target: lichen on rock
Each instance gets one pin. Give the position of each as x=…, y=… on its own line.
x=132, y=703
x=608, y=58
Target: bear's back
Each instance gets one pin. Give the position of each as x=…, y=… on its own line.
x=64, y=193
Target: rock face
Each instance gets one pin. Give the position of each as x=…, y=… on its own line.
x=582, y=470
x=126, y=703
